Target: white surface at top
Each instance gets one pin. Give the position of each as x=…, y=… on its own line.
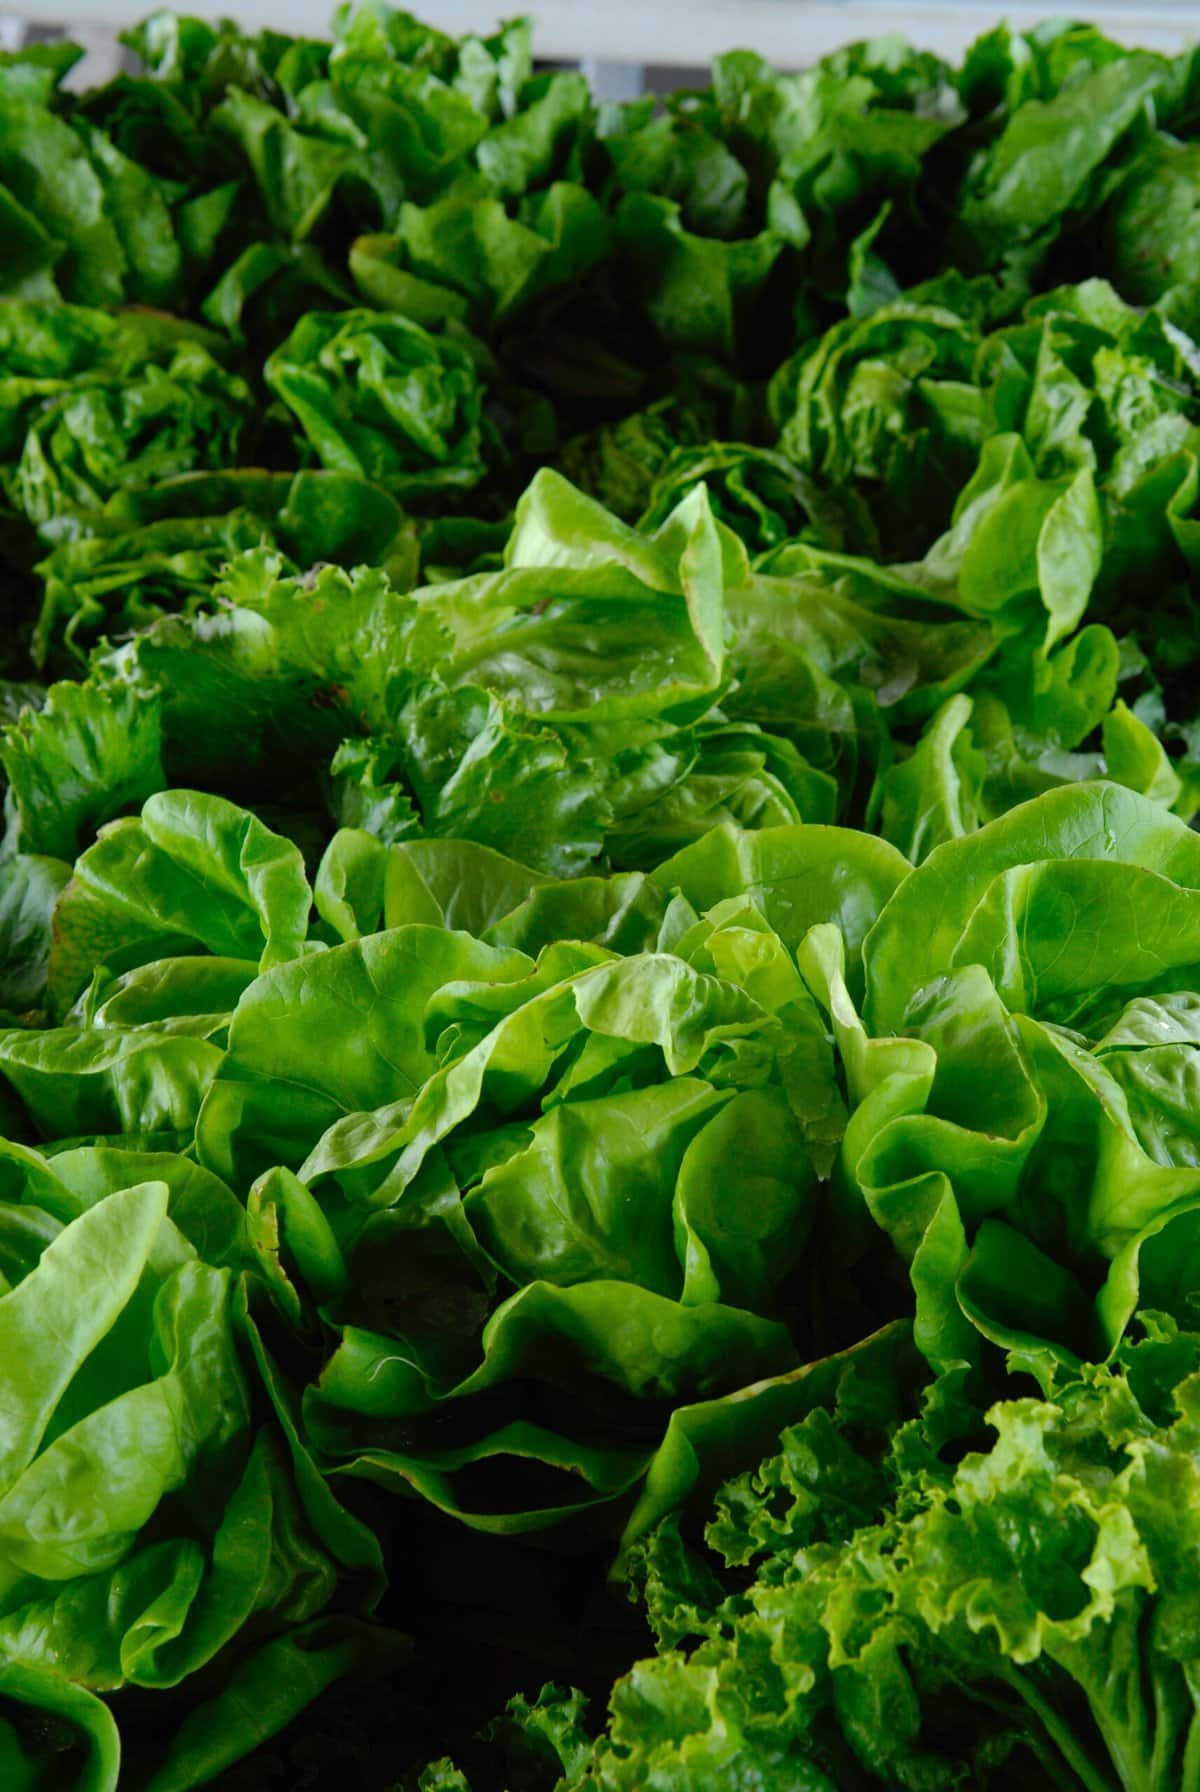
x=787, y=32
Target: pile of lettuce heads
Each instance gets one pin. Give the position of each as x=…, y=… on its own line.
x=599, y=931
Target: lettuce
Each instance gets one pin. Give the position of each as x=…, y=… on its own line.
x=599, y=931
x=93, y=406
x=1025, y=1601
x=149, y=1513
x=377, y=395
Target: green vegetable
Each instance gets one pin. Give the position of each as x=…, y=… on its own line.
x=1027, y=1602
x=146, y=1514
x=599, y=932
x=377, y=395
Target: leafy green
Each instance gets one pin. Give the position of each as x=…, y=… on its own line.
x=162, y=548
x=422, y=1161
x=598, y=732
x=146, y=1514
x=1025, y=1601
x=92, y=405
x=376, y=394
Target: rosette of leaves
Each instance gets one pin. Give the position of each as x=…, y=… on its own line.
x=619, y=463
x=474, y=255
x=572, y=696
x=1039, y=1205
x=375, y=394
x=506, y=1174
x=759, y=493
x=83, y=220
x=94, y=403
x=157, y=1523
x=1020, y=1610
x=1079, y=122
x=160, y=550
x=889, y=405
